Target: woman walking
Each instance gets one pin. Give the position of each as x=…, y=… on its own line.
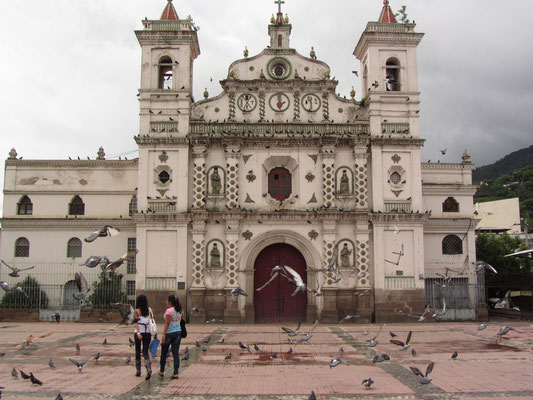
x=142, y=335
x=171, y=335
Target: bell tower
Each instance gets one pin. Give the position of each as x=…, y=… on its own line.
x=279, y=29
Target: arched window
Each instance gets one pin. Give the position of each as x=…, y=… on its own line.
x=22, y=247
x=74, y=248
x=279, y=183
x=133, y=205
x=165, y=73
x=392, y=75
x=25, y=206
x=452, y=244
x=76, y=206
x=280, y=41
x=450, y=205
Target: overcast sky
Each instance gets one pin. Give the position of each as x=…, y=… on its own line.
x=70, y=70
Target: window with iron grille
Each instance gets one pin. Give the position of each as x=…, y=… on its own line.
x=130, y=288
x=133, y=205
x=76, y=206
x=395, y=177
x=74, y=248
x=452, y=244
x=132, y=264
x=25, y=206
x=450, y=205
x=22, y=247
x=279, y=183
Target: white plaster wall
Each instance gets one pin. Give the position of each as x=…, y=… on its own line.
x=500, y=214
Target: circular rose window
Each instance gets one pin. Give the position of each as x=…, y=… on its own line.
x=279, y=68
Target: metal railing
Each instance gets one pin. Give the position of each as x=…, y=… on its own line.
x=387, y=28
x=397, y=206
x=458, y=292
x=162, y=206
x=394, y=128
x=161, y=283
x=400, y=282
x=163, y=126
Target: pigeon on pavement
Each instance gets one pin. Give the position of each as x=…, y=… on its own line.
x=34, y=380
x=367, y=383
x=51, y=364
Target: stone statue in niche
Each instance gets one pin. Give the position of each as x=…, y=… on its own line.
x=344, y=187
x=345, y=256
x=215, y=257
x=216, y=182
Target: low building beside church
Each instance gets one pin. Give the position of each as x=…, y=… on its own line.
x=277, y=169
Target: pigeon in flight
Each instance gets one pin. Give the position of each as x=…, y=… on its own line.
x=34, y=380
x=105, y=231
x=82, y=285
x=348, y=317
x=127, y=313
x=94, y=261
x=20, y=290
x=5, y=286
x=238, y=291
x=425, y=380
x=112, y=266
x=404, y=346
x=482, y=265
x=195, y=311
x=373, y=342
x=482, y=326
x=15, y=271
x=79, y=365
x=306, y=338
x=504, y=330
x=57, y=317
x=367, y=383
x=336, y=361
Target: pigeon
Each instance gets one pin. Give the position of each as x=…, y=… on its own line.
x=207, y=340
x=5, y=286
x=305, y=338
x=78, y=348
x=14, y=373
x=185, y=357
x=504, y=330
x=14, y=270
x=131, y=342
x=112, y=266
x=373, y=342
x=105, y=342
x=128, y=360
x=380, y=358
x=127, y=313
x=228, y=357
x=238, y=291
x=94, y=261
x=242, y=345
x=57, y=317
x=220, y=341
x=482, y=265
x=312, y=396
x=443, y=151
x=204, y=349
x=34, y=380
x=482, y=326
x=186, y=350
x=404, y=346
x=274, y=355
x=24, y=375
x=79, y=365
x=290, y=351
x=341, y=350
x=336, y=361
x=20, y=290
x=256, y=348
x=367, y=383
x=454, y=355
x=82, y=285
x=51, y=364
x=105, y=231
x=59, y=397
x=392, y=334
x=413, y=351
x=291, y=275
x=195, y=310
x=425, y=380
x=348, y=317
x=365, y=332
x=416, y=371
x=96, y=356
x=197, y=344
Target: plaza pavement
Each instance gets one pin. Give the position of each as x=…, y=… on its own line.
x=483, y=369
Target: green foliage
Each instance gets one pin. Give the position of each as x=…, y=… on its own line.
x=518, y=183
x=107, y=290
x=15, y=299
x=402, y=13
x=516, y=160
x=492, y=249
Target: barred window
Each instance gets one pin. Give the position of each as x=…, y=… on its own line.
x=25, y=206
x=22, y=247
x=452, y=244
x=130, y=288
x=395, y=178
x=133, y=205
x=76, y=206
x=74, y=248
x=450, y=205
x=132, y=263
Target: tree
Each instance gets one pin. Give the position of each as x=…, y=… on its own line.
x=106, y=291
x=492, y=248
x=15, y=299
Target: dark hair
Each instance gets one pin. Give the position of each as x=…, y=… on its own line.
x=142, y=304
x=175, y=302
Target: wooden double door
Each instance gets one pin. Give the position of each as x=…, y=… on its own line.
x=274, y=303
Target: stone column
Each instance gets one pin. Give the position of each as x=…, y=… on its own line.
x=232, y=314
x=363, y=293
x=199, y=178
x=361, y=179
x=329, y=236
x=233, y=153
x=198, y=256
x=328, y=175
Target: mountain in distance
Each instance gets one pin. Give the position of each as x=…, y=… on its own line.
x=511, y=162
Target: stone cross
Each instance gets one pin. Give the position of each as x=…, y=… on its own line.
x=279, y=3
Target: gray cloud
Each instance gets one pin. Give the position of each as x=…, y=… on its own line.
x=70, y=70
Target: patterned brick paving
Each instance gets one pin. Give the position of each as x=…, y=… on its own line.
x=483, y=369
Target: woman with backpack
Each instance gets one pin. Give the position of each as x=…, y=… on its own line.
x=171, y=335
x=142, y=335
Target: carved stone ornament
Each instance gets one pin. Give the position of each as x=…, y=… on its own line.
x=247, y=235
x=397, y=192
x=313, y=199
x=101, y=154
x=313, y=157
x=246, y=158
x=162, y=191
x=396, y=158
x=310, y=177
x=466, y=157
x=251, y=176
x=248, y=199
x=12, y=154
x=313, y=234
x=163, y=157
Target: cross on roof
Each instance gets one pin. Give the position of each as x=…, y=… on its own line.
x=279, y=3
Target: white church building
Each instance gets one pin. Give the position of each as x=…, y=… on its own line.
x=277, y=169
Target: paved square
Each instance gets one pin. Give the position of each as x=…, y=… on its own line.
x=482, y=370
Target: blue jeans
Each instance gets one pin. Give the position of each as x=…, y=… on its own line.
x=174, y=340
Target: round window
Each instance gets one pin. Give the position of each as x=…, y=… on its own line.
x=279, y=68
x=395, y=178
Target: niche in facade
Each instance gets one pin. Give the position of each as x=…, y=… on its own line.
x=215, y=253
x=216, y=181
x=346, y=254
x=344, y=181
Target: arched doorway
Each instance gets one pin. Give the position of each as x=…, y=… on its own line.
x=274, y=303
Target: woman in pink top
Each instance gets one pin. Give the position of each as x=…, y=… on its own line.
x=171, y=335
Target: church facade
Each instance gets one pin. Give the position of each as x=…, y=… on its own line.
x=275, y=170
